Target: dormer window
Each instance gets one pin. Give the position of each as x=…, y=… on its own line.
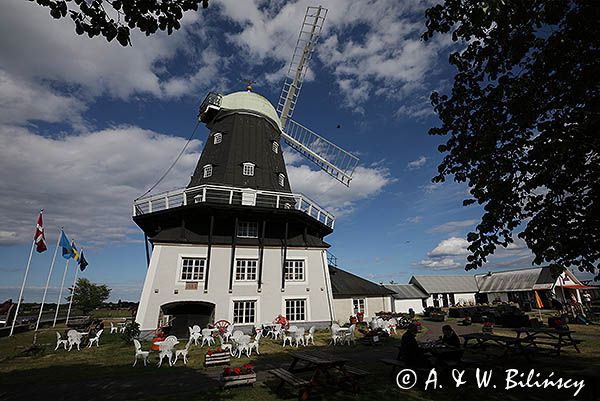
x=281, y=179
x=248, y=169
x=275, y=147
x=217, y=138
x=207, y=170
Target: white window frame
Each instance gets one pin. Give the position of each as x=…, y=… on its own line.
x=306, y=308
x=294, y=279
x=207, y=170
x=275, y=147
x=281, y=179
x=358, y=300
x=202, y=264
x=248, y=169
x=242, y=268
x=217, y=138
x=256, y=309
x=244, y=229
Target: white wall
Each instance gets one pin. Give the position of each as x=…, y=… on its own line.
x=344, y=307
x=402, y=305
x=164, y=273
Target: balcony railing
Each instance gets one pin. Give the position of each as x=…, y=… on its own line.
x=216, y=194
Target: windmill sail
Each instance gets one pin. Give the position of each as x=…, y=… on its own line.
x=305, y=46
x=334, y=160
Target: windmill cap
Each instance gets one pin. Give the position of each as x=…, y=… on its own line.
x=250, y=101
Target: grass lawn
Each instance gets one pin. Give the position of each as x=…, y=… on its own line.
x=106, y=372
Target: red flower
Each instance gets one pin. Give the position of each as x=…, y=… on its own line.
x=209, y=353
x=227, y=371
x=418, y=323
x=219, y=350
x=237, y=371
x=248, y=366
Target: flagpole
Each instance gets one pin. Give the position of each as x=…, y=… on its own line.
x=72, y=292
x=37, y=325
x=12, y=328
x=60, y=293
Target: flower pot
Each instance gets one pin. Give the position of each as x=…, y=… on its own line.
x=238, y=380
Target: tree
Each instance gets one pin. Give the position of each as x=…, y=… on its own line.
x=89, y=296
x=522, y=124
x=97, y=17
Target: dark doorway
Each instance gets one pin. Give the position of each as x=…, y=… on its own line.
x=187, y=314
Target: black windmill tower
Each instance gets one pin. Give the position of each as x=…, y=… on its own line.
x=239, y=194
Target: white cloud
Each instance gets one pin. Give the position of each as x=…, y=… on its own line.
x=453, y=246
x=440, y=264
x=414, y=219
x=453, y=226
x=431, y=187
x=417, y=164
x=85, y=183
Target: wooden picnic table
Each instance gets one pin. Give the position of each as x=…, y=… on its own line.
x=325, y=369
x=556, y=338
x=510, y=345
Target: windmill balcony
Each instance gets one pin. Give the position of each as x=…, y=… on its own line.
x=217, y=194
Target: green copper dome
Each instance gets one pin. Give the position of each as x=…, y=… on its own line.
x=250, y=101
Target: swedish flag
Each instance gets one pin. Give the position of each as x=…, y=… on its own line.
x=75, y=252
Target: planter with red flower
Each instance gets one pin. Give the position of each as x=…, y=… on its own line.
x=238, y=376
x=360, y=316
x=216, y=357
x=419, y=326
x=488, y=327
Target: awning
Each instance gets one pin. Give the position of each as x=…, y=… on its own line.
x=578, y=287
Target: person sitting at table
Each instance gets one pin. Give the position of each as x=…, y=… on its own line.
x=450, y=339
x=412, y=355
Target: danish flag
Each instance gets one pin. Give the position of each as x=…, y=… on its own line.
x=39, y=238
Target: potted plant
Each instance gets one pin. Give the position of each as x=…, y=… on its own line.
x=216, y=356
x=488, y=327
x=419, y=326
x=238, y=376
x=360, y=316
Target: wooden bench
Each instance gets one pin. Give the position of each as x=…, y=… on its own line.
x=304, y=386
x=353, y=375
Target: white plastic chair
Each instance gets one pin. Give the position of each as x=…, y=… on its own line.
x=95, y=339
x=139, y=354
x=259, y=333
x=252, y=345
x=311, y=335
x=349, y=335
x=228, y=332
x=165, y=349
x=195, y=334
x=236, y=335
x=207, y=337
x=335, y=334
x=74, y=338
x=60, y=341
x=183, y=353
x=287, y=337
x=113, y=328
x=242, y=342
x=122, y=327
x=276, y=331
x=299, y=336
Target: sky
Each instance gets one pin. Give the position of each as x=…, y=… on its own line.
x=87, y=126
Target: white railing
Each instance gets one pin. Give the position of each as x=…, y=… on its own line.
x=232, y=196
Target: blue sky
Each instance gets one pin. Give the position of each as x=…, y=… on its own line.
x=87, y=126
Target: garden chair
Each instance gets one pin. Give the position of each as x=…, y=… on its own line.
x=236, y=335
x=122, y=327
x=392, y=324
x=299, y=336
x=275, y=331
x=335, y=334
x=228, y=332
x=259, y=332
x=242, y=342
x=165, y=349
x=311, y=335
x=207, y=337
x=60, y=341
x=195, y=334
x=74, y=338
x=183, y=353
x=251, y=346
x=349, y=335
x=139, y=354
x=287, y=337
x=227, y=347
x=113, y=328
x=95, y=339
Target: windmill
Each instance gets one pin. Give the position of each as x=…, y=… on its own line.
x=335, y=161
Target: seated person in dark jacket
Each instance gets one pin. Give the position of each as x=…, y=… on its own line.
x=450, y=339
x=412, y=355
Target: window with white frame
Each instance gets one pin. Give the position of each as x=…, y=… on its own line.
x=217, y=138
x=281, y=179
x=295, y=310
x=192, y=269
x=294, y=270
x=245, y=269
x=244, y=312
x=248, y=169
x=248, y=229
x=207, y=170
x=358, y=305
x=275, y=147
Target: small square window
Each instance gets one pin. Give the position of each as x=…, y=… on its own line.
x=244, y=312
x=295, y=310
x=281, y=180
x=207, y=170
x=246, y=270
x=217, y=138
x=275, y=147
x=248, y=229
x=248, y=169
x=294, y=270
x=192, y=269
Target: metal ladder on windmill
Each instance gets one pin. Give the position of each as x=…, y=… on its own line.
x=332, y=159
